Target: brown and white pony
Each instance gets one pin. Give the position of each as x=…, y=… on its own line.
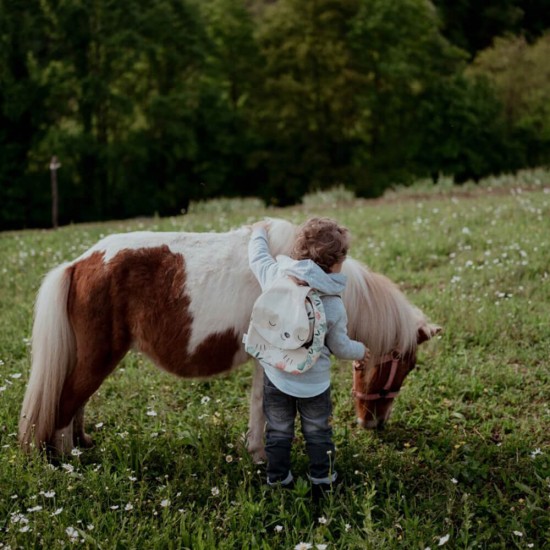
x=184, y=300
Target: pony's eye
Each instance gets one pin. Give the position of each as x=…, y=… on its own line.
x=301, y=335
x=273, y=322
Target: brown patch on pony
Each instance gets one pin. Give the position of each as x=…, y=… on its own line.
x=136, y=297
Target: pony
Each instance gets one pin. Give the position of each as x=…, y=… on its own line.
x=185, y=300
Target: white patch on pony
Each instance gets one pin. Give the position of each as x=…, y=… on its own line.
x=219, y=282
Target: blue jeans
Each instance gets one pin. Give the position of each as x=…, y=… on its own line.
x=280, y=413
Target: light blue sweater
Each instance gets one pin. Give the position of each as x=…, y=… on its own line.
x=330, y=286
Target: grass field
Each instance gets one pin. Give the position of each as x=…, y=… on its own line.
x=463, y=463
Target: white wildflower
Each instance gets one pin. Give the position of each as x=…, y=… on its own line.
x=99, y=425
x=68, y=468
x=518, y=533
x=229, y=459
x=16, y=375
x=72, y=533
x=115, y=507
x=444, y=540
x=19, y=518
x=536, y=452
x=34, y=509
x=129, y=507
x=151, y=412
x=24, y=529
x=49, y=494
x=76, y=452
x=205, y=400
x=454, y=480
x=57, y=512
x=303, y=546
x=321, y=546
x=322, y=520
x=278, y=528
x=165, y=503
x=215, y=491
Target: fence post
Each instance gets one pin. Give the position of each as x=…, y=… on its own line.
x=54, y=166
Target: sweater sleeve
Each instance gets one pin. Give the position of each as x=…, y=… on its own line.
x=260, y=260
x=338, y=341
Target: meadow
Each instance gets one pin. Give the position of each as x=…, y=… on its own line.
x=463, y=462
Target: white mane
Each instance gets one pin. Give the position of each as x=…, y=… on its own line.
x=378, y=312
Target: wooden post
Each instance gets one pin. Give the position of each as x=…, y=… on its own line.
x=54, y=166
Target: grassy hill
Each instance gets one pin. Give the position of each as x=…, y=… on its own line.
x=463, y=463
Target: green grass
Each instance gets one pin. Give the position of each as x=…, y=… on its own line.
x=465, y=455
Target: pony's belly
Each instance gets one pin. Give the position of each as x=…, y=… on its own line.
x=217, y=353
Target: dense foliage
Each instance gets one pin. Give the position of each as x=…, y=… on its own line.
x=149, y=105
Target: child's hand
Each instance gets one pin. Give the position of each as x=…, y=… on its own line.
x=362, y=363
x=264, y=224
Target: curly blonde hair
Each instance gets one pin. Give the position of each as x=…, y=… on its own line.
x=322, y=240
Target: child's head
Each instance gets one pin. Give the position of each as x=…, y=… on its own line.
x=323, y=241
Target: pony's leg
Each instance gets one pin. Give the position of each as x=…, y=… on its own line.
x=92, y=367
x=80, y=437
x=62, y=441
x=256, y=421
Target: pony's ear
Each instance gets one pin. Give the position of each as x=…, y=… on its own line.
x=427, y=332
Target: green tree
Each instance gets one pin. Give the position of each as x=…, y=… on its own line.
x=473, y=25
x=520, y=75
x=123, y=83
x=307, y=112
x=463, y=131
x=225, y=159
x=400, y=53
x=21, y=114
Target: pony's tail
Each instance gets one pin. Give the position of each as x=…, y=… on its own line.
x=53, y=356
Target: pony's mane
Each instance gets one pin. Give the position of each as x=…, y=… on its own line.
x=281, y=236
x=378, y=312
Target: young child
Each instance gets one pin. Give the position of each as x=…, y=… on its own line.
x=319, y=252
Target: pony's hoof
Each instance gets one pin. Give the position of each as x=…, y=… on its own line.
x=85, y=441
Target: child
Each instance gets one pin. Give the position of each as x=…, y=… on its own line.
x=319, y=252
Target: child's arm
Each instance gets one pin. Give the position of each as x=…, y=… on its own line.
x=341, y=345
x=260, y=260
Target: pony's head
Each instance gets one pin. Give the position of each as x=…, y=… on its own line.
x=377, y=383
x=380, y=316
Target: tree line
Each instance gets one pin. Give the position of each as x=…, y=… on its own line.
x=151, y=105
